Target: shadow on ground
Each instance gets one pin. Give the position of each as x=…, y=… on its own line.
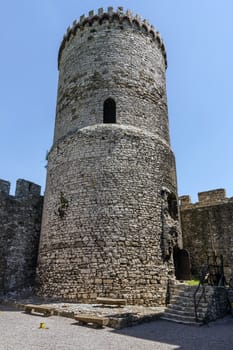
x=216, y=335
x=171, y=336
x=8, y=308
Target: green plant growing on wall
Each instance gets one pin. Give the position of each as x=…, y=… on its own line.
x=62, y=207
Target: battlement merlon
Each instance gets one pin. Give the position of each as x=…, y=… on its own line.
x=111, y=15
x=206, y=198
x=5, y=187
x=185, y=200
x=26, y=189
x=217, y=195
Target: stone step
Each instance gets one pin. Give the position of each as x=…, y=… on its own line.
x=190, y=297
x=178, y=307
x=189, y=310
x=179, y=318
x=181, y=307
x=174, y=319
x=187, y=302
x=183, y=287
x=180, y=313
x=185, y=313
x=189, y=294
x=174, y=314
x=180, y=289
x=187, y=286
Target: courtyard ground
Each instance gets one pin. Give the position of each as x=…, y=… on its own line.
x=20, y=331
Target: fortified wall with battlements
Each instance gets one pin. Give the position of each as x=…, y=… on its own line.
x=20, y=221
x=207, y=228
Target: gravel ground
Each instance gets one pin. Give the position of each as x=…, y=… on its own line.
x=21, y=331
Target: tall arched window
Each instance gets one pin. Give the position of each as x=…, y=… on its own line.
x=109, y=111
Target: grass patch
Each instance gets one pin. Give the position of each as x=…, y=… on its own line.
x=193, y=282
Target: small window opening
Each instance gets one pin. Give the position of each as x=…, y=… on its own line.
x=109, y=111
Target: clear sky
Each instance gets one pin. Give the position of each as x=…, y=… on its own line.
x=198, y=38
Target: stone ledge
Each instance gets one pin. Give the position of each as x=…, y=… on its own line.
x=118, y=318
x=111, y=301
x=116, y=130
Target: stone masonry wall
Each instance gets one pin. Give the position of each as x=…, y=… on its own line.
x=113, y=54
x=218, y=305
x=102, y=229
x=110, y=218
x=20, y=220
x=207, y=227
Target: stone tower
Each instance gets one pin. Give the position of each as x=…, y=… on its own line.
x=110, y=219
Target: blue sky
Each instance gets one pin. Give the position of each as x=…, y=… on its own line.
x=198, y=38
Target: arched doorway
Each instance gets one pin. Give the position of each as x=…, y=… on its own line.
x=182, y=264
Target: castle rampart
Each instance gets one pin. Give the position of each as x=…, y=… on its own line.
x=213, y=197
x=20, y=220
x=207, y=228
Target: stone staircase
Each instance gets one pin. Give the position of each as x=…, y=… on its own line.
x=181, y=307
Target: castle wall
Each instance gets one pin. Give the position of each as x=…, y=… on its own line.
x=20, y=221
x=207, y=227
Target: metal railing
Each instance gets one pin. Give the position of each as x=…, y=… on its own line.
x=211, y=274
x=203, y=280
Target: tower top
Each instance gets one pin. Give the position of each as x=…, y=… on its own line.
x=111, y=15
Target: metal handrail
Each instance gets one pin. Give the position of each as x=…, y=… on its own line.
x=208, y=278
x=203, y=280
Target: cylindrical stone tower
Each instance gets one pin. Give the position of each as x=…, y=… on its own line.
x=110, y=219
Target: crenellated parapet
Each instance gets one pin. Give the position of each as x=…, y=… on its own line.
x=4, y=187
x=20, y=221
x=207, y=228
x=206, y=198
x=110, y=15
x=24, y=189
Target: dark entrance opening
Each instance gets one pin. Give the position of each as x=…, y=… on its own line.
x=182, y=264
x=109, y=111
